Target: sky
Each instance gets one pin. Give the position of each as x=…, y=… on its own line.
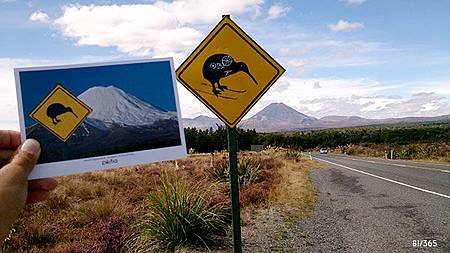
x=368, y=58
x=149, y=82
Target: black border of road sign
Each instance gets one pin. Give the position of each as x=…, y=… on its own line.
x=60, y=87
x=252, y=43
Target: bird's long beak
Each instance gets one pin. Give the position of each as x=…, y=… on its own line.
x=253, y=78
x=74, y=115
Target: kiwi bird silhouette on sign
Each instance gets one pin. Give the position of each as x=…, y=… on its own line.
x=218, y=66
x=56, y=109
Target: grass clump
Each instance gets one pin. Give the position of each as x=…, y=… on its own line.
x=97, y=210
x=249, y=171
x=220, y=171
x=179, y=214
x=292, y=154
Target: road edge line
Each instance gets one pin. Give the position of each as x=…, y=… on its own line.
x=386, y=179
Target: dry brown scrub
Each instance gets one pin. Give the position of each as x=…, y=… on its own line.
x=267, y=229
x=97, y=212
x=439, y=152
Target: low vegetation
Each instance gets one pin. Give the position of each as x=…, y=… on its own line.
x=270, y=227
x=421, y=141
x=419, y=151
x=163, y=205
x=179, y=214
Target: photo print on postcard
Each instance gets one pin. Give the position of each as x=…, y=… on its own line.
x=99, y=116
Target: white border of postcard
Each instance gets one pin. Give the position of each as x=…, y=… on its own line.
x=109, y=161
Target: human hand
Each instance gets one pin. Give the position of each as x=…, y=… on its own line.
x=15, y=189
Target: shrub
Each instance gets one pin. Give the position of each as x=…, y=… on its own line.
x=178, y=213
x=220, y=171
x=36, y=235
x=292, y=154
x=254, y=194
x=249, y=171
x=111, y=234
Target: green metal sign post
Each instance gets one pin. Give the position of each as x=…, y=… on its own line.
x=234, y=181
x=206, y=73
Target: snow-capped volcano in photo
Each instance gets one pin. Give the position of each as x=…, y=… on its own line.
x=112, y=105
x=118, y=122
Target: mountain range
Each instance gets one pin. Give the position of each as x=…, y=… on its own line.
x=119, y=123
x=278, y=117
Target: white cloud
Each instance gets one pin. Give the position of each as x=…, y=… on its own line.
x=207, y=11
x=190, y=106
x=318, y=51
x=277, y=10
x=343, y=25
x=438, y=87
x=429, y=107
x=352, y=97
x=39, y=16
x=378, y=107
x=135, y=29
x=8, y=113
x=295, y=91
x=353, y=2
x=297, y=63
x=317, y=85
x=158, y=29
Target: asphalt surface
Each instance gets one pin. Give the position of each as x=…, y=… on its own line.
x=377, y=205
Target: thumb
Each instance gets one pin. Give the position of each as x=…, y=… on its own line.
x=24, y=161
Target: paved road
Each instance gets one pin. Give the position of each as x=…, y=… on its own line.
x=377, y=205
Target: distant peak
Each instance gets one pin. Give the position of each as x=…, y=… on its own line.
x=110, y=87
x=113, y=105
x=279, y=104
x=203, y=117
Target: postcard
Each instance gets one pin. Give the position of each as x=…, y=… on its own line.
x=100, y=116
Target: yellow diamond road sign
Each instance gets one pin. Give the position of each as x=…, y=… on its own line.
x=61, y=113
x=229, y=72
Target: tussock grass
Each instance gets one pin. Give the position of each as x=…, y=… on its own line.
x=249, y=171
x=178, y=214
x=58, y=202
x=220, y=171
x=92, y=211
x=98, y=212
x=292, y=154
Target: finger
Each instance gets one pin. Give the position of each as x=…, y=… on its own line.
x=9, y=139
x=44, y=184
x=37, y=196
x=24, y=161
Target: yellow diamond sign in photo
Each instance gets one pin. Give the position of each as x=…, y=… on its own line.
x=61, y=113
x=229, y=72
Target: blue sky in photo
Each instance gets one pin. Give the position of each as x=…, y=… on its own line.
x=150, y=82
x=368, y=58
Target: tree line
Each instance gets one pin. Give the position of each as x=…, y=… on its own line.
x=216, y=139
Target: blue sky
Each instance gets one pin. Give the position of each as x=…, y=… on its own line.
x=370, y=58
x=150, y=82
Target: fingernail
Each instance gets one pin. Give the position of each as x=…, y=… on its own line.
x=32, y=147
